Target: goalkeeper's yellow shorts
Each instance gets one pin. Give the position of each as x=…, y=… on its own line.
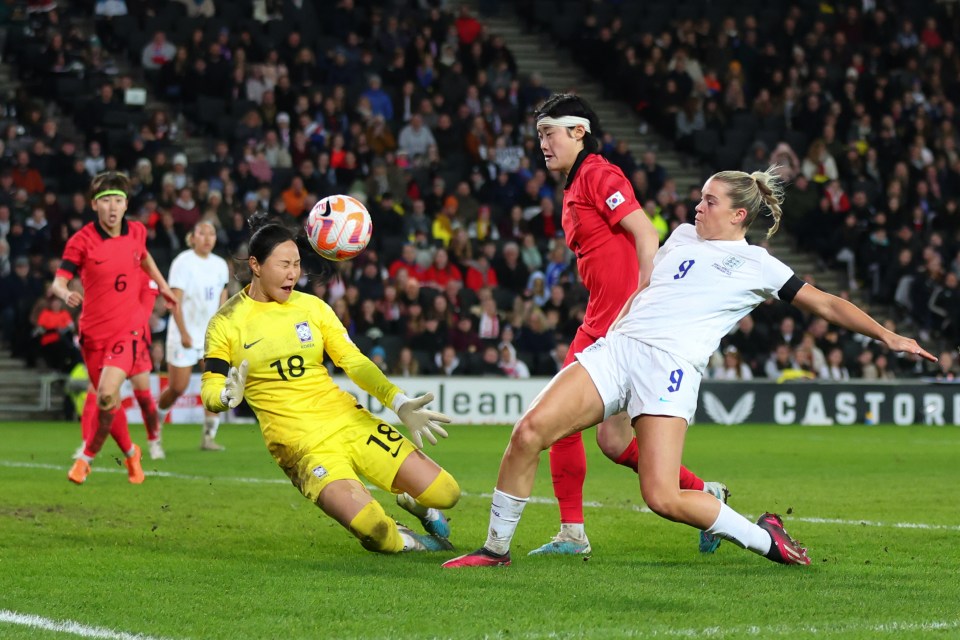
x=366, y=446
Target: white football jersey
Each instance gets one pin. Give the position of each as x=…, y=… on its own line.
x=201, y=280
x=698, y=292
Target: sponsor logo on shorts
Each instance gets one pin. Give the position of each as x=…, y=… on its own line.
x=615, y=200
x=303, y=332
x=320, y=472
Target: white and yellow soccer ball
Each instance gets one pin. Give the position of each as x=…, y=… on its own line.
x=339, y=227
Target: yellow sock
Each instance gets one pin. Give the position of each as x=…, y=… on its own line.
x=375, y=530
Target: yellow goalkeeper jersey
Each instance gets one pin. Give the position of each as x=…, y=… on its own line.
x=293, y=396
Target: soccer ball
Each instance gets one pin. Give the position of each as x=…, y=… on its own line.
x=339, y=227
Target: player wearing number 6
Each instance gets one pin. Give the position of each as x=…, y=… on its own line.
x=705, y=278
x=109, y=255
x=267, y=344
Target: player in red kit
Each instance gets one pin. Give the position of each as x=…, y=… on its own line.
x=139, y=380
x=109, y=255
x=614, y=242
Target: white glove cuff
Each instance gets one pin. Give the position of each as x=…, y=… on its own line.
x=223, y=397
x=398, y=401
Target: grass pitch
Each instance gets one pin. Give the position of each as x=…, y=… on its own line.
x=222, y=546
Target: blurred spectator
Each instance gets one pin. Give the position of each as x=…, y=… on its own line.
x=511, y=366
x=295, y=197
x=512, y=273
x=5, y=264
x=157, y=52
x=405, y=365
x=732, y=367
x=780, y=362
x=25, y=176
x=55, y=329
x=19, y=290
x=448, y=363
x=834, y=368
x=415, y=138
x=441, y=271
x=946, y=368
x=818, y=165
x=489, y=364
x=199, y=8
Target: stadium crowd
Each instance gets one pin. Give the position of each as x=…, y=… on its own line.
x=419, y=111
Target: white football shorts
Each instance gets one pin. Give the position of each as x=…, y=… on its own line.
x=179, y=356
x=634, y=377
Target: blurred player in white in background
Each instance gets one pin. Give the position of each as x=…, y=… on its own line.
x=199, y=280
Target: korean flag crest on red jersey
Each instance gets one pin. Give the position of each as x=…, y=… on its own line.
x=615, y=200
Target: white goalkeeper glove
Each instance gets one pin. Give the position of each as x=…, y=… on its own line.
x=418, y=421
x=232, y=393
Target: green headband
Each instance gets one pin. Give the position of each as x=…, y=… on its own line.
x=110, y=192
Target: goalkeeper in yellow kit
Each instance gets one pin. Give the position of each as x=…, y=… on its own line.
x=267, y=344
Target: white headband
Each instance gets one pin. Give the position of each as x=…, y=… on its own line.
x=564, y=121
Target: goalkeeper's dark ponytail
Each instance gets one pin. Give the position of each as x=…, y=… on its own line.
x=267, y=234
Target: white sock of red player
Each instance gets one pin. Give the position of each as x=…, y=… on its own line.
x=572, y=531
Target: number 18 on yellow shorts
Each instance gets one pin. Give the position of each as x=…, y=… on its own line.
x=366, y=447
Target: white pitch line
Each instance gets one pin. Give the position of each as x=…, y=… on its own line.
x=532, y=499
x=895, y=627
x=152, y=474
x=69, y=626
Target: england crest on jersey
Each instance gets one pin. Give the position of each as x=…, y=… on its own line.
x=304, y=333
x=730, y=264
x=733, y=262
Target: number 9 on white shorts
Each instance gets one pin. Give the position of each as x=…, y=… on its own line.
x=635, y=377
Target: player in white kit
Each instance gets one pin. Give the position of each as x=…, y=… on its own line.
x=705, y=278
x=199, y=279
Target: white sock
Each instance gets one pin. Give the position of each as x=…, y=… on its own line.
x=162, y=416
x=732, y=526
x=573, y=530
x=505, y=511
x=210, y=426
x=130, y=453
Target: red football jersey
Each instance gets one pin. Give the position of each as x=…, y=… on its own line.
x=596, y=198
x=109, y=269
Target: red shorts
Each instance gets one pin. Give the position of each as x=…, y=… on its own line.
x=580, y=342
x=127, y=351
